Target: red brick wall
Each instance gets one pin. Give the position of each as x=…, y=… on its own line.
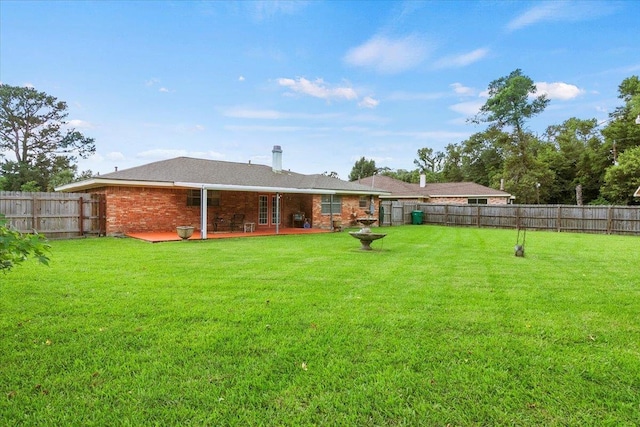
x=350, y=211
x=463, y=200
x=140, y=209
x=147, y=209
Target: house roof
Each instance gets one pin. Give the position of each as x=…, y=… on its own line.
x=401, y=189
x=188, y=172
x=637, y=193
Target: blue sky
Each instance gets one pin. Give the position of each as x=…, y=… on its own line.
x=329, y=81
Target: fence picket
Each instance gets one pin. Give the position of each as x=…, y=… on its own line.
x=567, y=218
x=56, y=215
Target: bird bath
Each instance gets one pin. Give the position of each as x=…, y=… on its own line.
x=185, y=231
x=365, y=235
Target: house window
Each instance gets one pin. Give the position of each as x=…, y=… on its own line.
x=328, y=207
x=193, y=198
x=477, y=201
x=364, y=202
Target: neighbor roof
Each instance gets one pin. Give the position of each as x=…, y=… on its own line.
x=400, y=189
x=188, y=172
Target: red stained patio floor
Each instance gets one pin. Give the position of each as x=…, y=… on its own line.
x=170, y=236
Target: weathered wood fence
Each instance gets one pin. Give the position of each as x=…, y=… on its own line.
x=56, y=215
x=567, y=218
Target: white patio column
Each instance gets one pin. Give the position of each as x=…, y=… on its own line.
x=203, y=213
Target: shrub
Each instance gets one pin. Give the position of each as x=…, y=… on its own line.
x=16, y=247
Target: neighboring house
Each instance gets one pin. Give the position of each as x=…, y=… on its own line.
x=439, y=192
x=637, y=193
x=209, y=194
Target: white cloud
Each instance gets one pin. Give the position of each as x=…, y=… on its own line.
x=369, y=102
x=458, y=61
x=460, y=89
x=557, y=11
x=387, y=55
x=558, y=90
x=318, y=89
x=470, y=108
x=241, y=79
x=163, y=89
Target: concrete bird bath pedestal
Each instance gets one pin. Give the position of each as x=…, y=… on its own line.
x=365, y=235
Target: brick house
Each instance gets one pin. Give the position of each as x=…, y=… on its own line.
x=440, y=192
x=214, y=195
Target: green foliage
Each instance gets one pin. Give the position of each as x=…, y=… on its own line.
x=577, y=156
x=412, y=176
x=308, y=330
x=428, y=161
x=363, y=168
x=479, y=159
x=509, y=102
x=622, y=180
x=33, y=127
x=16, y=247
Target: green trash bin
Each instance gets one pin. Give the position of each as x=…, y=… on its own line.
x=416, y=217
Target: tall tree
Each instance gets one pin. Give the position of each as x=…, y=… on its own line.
x=33, y=127
x=430, y=163
x=577, y=156
x=622, y=180
x=363, y=168
x=622, y=132
x=511, y=103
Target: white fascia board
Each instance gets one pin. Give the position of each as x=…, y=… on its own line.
x=637, y=193
x=358, y=192
x=101, y=182
x=473, y=196
x=255, y=188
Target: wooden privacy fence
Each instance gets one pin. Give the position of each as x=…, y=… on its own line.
x=56, y=215
x=568, y=218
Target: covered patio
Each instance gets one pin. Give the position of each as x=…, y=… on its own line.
x=166, y=236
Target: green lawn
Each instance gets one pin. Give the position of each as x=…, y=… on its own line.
x=437, y=326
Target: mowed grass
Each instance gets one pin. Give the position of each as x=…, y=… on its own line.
x=437, y=326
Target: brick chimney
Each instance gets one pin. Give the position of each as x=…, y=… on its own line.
x=276, y=164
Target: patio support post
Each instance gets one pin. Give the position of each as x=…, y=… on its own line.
x=331, y=212
x=277, y=213
x=203, y=213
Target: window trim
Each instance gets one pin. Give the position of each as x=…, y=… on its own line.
x=328, y=208
x=194, y=199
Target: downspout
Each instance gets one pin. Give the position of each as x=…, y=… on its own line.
x=203, y=213
x=277, y=213
x=331, y=212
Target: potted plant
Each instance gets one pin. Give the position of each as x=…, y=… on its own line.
x=185, y=231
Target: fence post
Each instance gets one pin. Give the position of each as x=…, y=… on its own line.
x=609, y=220
x=559, y=219
x=81, y=214
x=34, y=212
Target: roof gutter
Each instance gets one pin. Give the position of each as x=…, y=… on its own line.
x=101, y=182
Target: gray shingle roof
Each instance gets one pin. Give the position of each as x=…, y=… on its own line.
x=213, y=172
x=399, y=188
